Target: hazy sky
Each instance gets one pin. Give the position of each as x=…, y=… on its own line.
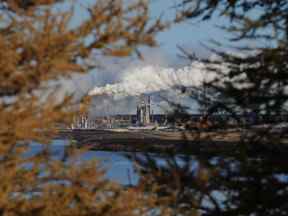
x=189, y=35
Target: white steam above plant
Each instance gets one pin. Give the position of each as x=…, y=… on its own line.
x=152, y=78
x=161, y=82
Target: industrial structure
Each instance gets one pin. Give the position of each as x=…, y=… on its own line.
x=143, y=112
x=143, y=117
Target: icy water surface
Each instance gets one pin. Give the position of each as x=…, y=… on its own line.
x=118, y=167
x=234, y=177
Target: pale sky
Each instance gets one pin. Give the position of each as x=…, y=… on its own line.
x=189, y=35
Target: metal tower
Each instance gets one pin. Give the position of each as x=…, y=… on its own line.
x=144, y=110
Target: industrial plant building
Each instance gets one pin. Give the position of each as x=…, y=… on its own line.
x=143, y=116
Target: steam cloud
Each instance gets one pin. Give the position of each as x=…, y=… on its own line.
x=153, y=78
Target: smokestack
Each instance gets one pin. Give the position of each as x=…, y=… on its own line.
x=148, y=111
x=143, y=110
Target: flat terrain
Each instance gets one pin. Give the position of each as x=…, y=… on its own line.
x=152, y=141
x=190, y=142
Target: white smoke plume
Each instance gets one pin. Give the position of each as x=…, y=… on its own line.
x=153, y=78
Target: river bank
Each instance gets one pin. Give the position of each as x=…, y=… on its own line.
x=211, y=143
x=195, y=142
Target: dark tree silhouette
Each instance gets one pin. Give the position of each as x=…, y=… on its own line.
x=253, y=178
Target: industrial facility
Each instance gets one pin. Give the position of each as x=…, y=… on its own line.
x=143, y=116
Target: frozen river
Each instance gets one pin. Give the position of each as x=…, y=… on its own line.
x=243, y=175
x=118, y=167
